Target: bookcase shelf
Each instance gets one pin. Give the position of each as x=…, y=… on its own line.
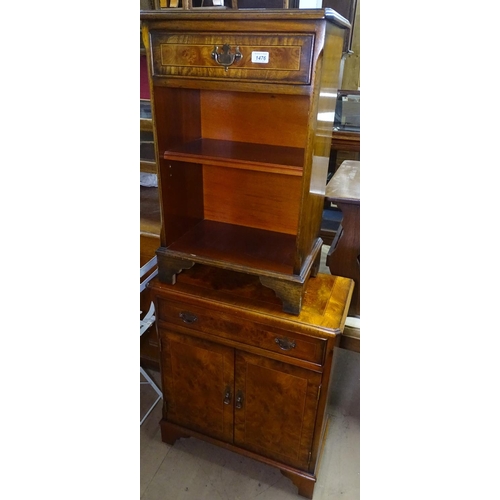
x=249, y=156
x=237, y=101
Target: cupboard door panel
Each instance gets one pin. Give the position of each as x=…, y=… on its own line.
x=275, y=408
x=198, y=381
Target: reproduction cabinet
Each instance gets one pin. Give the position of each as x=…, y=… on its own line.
x=239, y=372
x=242, y=105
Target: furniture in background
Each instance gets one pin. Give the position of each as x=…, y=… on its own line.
x=149, y=215
x=343, y=190
x=346, y=129
x=346, y=8
x=240, y=373
x=242, y=166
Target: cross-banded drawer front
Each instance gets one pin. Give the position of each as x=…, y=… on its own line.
x=241, y=330
x=247, y=57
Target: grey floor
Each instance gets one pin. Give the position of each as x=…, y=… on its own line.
x=195, y=470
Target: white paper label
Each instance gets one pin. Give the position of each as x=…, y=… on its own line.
x=260, y=57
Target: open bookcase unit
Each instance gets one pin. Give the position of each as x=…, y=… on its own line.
x=242, y=155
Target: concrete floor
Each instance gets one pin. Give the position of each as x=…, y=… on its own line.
x=195, y=470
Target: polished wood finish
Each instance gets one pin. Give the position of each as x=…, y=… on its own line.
x=278, y=408
x=241, y=373
x=195, y=375
x=189, y=55
x=242, y=158
x=231, y=154
x=344, y=191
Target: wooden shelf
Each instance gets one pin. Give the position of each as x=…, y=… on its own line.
x=240, y=245
x=244, y=155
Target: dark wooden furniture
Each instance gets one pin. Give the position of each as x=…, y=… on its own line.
x=346, y=129
x=343, y=190
x=242, y=158
x=221, y=4
x=347, y=9
x=240, y=373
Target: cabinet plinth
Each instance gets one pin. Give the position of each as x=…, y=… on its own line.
x=240, y=104
x=241, y=373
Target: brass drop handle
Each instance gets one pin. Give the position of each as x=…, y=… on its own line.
x=239, y=400
x=225, y=58
x=227, y=396
x=285, y=343
x=188, y=317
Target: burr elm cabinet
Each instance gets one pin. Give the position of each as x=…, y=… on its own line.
x=240, y=373
x=242, y=105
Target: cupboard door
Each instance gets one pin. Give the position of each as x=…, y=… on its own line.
x=198, y=382
x=275, y=408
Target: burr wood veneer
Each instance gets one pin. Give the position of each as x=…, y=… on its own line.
x=240, y=373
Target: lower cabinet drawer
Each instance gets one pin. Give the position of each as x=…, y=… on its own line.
x=241, y=330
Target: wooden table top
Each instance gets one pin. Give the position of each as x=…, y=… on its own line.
x=344, y=185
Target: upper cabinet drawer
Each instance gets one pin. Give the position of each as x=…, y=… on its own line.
x=246, y=57
x=238, y=329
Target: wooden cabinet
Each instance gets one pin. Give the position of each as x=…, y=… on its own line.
x=243, y=107
x=241, y=373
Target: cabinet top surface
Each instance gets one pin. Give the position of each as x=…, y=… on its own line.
x=246, y=15
x=325, y=303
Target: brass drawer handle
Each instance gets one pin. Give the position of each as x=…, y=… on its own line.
x=285, y=344
x=239, y=400
x=226, y=58
x=188, y=317
x=227, y=396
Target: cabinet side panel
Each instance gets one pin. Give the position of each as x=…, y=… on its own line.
x=196, y=376
x=327, y=80
x=176, y=114
x=181, y=190
x=255, y=199
x=274, y=119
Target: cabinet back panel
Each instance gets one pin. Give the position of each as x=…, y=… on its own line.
x=256, y=199
x=279, y=120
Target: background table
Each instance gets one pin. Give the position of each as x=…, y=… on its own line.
x=343, y=190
